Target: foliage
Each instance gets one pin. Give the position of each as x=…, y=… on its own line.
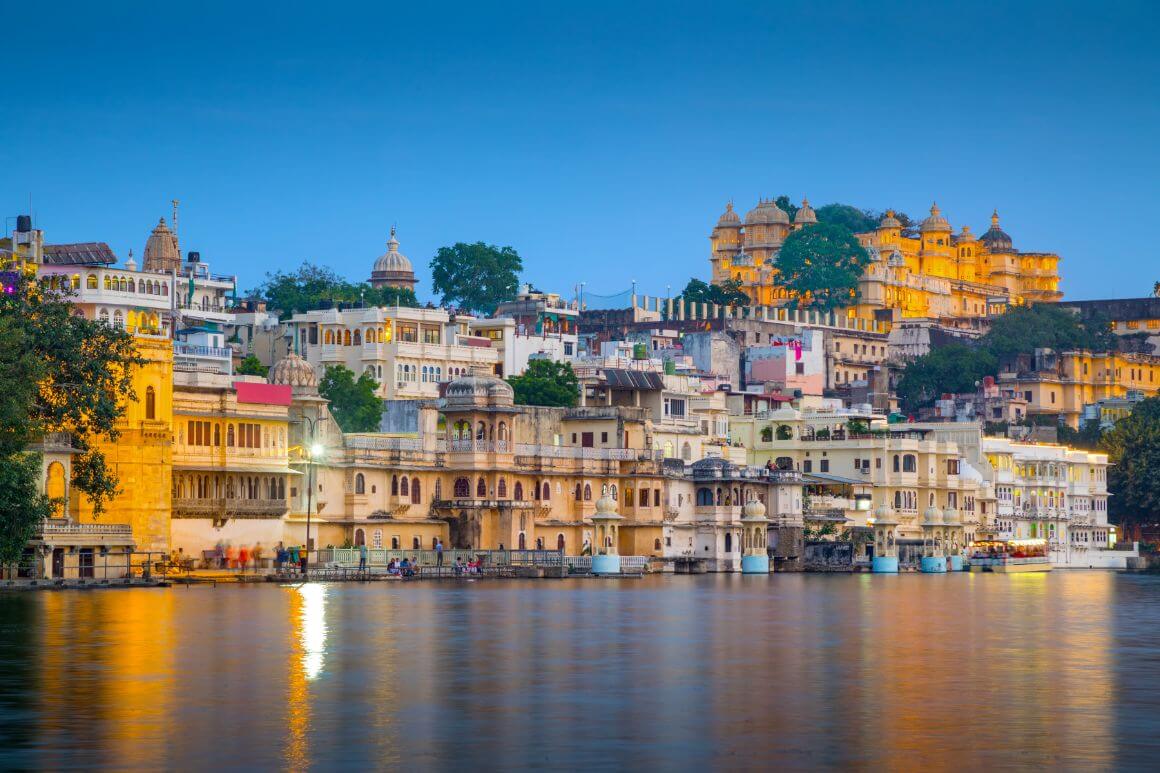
x=22, y=505
x=1026, y=328
x=783, y=203
x=61, y=372
x=546, y=382
x=727, y=293
x=818, y=533
x=849, y=217
x=784, y=432
x=477, y=277
x=353, y=402
x=766, y=434
x=1156, y=290
x=952, y=368
x=252, y=366
x=1133, y=447
x=1087, y=437
x=820, y=266
x=857, y=427
x=310, y=286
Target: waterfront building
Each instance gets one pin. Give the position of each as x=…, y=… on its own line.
x=1055, y=495
x=929, y=273
x=1060, y=384
x=709, y=518
x=409, y=351
x=1135, y=321
x=231, y=467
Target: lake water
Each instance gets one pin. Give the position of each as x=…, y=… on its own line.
x=715, y=671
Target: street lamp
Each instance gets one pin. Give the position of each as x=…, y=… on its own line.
x=313, y=451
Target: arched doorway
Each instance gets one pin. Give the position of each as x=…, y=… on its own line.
x=728, y=542
x=360, y=537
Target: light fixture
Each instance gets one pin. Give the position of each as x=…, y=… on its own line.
x=316, y=449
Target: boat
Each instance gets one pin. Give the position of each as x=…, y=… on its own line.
x=1015, y=556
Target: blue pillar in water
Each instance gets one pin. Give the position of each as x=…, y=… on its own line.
x=934, y=564
x=606, y=564
x=956, y=563
x=755, y=564
x=884, y=565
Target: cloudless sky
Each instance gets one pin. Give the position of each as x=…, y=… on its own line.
x=601, y=140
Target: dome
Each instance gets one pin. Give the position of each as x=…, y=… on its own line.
x=996, y=238
x=754, y=510
x=932, y=515
x=766, y=213
x=478, y=391
x=161, y=250
x=805, y=214
x=606, y=507
x=130, y=264
x=965, y=235
x=293, y=371
x=889, y=220
x=950, y=515
x=393, y=268
x=729, y=217
x=936, y=222
x=969, y=473
x=882, y=511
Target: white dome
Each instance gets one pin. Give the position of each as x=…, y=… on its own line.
x=754, y=510
x=805, y=214
x=393, y=260
x=478, y=390
x=766, y=212
x=606, y=507
x=932, y=515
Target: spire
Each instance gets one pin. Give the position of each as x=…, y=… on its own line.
x=393, y=243
x=995, y=218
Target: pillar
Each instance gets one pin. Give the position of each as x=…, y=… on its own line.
x=606, y=524
x=885, y=559
x=755, y=555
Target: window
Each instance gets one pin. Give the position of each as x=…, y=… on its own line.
x=416, y=496
x=547, y=492
x=807, y=466
x=825, y=465
x=674, y=407
x=501, y=488
x=519, y=491
x=603, y=437
x=462, y=488
x=395, y=486
x=360, y=486
x=481, y=489
x=909, y=463
x=150, y=403
x=587, y=492
x=404, y=486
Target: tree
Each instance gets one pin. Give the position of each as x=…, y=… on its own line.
x=1023, y=329
x=1087, y=437
x=1156, y=290
x=784, y=204
x=953, y=368
x=22, y=505
x=59, y=372
x=311, y=286
x=353, y=402
x=477, y=277
x=546, y=382
x=252, y=366
x=727, y=293
x=1133, y=447
x=820, y=266
x=854, y=219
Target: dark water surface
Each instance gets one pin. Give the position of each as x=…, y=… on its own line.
x=718, y=672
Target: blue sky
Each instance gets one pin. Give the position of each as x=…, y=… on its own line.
x=601, y=140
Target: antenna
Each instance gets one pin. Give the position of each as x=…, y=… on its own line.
x=174, y=202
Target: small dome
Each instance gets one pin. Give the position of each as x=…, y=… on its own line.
x=161, y=250
x=882, y=511
x=936, y=221
x=293, y=371
x=889, y=220
x=950, y=515
x=965, y=235
x=729, y=217
x=805, y=214
x=932, y=515
x=996, y=238
x=393, y=260
x=606, y=507
x=753, y=510
x=130, y=264
x=766, y=213
x=478, y=390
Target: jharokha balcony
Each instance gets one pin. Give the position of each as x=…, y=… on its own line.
x=192, y=507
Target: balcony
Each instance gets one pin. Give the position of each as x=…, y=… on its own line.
x=577, y=452
x=190, y=507
x=62, y=532
x=197, y=350
x=479, y=446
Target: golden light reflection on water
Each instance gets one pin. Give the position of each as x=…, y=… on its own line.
x=866, y=671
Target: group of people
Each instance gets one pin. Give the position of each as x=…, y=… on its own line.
x=292, y=558
x=475, y=566
x=240, y=557
x=405, y=568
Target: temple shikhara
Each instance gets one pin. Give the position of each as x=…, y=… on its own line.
x=928, y=272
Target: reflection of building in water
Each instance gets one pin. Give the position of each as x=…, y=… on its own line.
x=306, y=636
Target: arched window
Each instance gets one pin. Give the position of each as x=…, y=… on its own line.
x=360, y=484
x=165, y=288
x=329, y=337
x=895, y=463
x=784, y=463
x=909, y=463
x=502, y=431
x=704, y=497
x=217, y=435
x=462, y=488
x=230, y=435
x=346, y=338
x=360, y=537
x=523, y=542
x=547, y=492
x=656, y=544
x=118, y=319
x=404, y=487
x=358, y=338
x=394, y=543
x=395, y=485
x=519, y=492
x=438, y=488
x=481, y=489
x=579, y=493
x=560, y=541
x=612, y=492
x=481, y=431
x=686, y=452
x=150, y=403
x=132, y=286
x=501, y=488
x=898, y=500
x=728, y=542
x=91, y=281
x=416, y=497
x=587, y=493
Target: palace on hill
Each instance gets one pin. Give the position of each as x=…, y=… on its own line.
x=930, y=273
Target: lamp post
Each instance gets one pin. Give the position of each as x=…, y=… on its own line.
x=313, y=451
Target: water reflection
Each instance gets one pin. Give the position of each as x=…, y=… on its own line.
x=670, y=672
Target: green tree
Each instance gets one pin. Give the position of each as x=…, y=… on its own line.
x=252, y=366
x=353, y=402
x=477, y=277
x=310, y=286
x=728, y=293
x=546, y=382
x=22, y=505
x=952, y=368
x=850, y=217
x=59, y=372
x=821, y=265
x=1023, y=329
x=1087, y=437
x=1133, y=447
x=783, y=203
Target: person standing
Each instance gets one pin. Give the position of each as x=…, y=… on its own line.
x=362, y=557
x=294, y=555
x=439, y=552
x=243, y=558
x=256, y=554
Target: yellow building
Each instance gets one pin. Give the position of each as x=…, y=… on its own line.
x=141, y=457
x=931, y=273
